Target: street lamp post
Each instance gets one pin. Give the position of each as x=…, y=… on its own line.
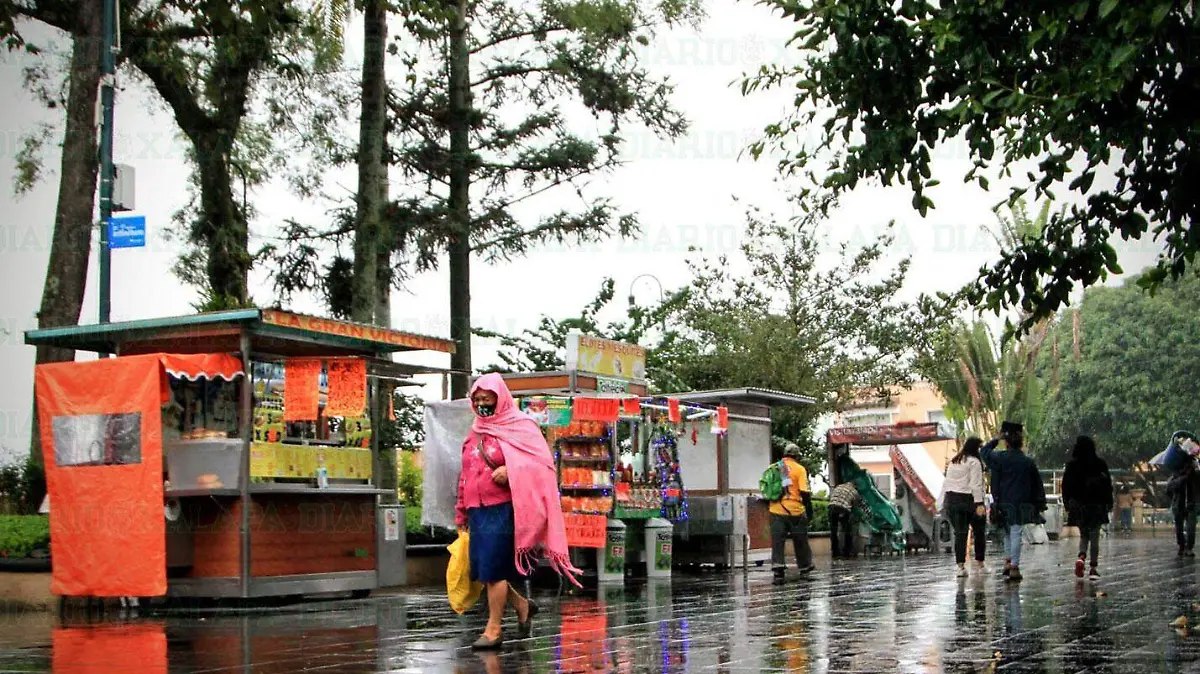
x=108, y=83
x=662, y=295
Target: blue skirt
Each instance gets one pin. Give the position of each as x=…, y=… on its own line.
x=493, y=552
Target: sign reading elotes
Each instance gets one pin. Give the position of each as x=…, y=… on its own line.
x=605, y=357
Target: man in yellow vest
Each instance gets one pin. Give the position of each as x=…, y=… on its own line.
x=789, y=515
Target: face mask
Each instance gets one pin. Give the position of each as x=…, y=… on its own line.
x=485, y=410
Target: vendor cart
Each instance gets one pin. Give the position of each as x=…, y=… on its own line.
x=227, y=454
x=909, y=519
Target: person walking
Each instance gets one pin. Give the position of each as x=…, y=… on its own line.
x=1020, y=496
x=1184, y=489
x=963, y=500
x=1087, y=492
x=789, y=515
x=842, y=501
x=508, y=501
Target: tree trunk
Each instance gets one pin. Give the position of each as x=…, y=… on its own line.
x=70, y=247
x=222, y=225
x=372, y=172
x=460, y=201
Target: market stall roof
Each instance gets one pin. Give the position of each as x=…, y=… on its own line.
x=760, y=396
x=271, y=331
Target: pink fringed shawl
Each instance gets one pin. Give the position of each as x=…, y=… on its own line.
x=537, y=506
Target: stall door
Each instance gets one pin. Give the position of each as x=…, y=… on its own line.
x=102, y=442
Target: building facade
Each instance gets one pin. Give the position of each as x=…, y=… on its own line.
x=921, y=404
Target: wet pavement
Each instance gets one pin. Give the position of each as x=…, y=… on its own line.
x=891, y=614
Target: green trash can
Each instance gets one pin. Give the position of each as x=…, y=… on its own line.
x=610, y=560
x=659, y=535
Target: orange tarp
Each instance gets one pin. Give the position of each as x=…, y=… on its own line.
x=101, y=429
x=347, y=387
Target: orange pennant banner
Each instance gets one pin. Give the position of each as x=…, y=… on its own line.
x=723, y=417
x=596, y=409
x=673, y=413
x=347, y=388
x=632, y=407
x=301, y=380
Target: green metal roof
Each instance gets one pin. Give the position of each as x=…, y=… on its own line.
x=104, y=338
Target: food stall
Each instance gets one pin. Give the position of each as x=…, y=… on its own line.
x=619, y=475
x=174, y=469
x=728, y=523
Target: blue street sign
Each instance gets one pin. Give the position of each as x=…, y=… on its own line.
x=127, y=231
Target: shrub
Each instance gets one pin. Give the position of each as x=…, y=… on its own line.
x=20, y=535
x=22, y=488
x=820, y=515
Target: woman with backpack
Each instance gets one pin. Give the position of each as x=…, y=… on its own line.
x=963, y=498
x=1087, y=491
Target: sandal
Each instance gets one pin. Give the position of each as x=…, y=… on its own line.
x=525, y=629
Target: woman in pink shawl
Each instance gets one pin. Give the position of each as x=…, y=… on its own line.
x=508, y=501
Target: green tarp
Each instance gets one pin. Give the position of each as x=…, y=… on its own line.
x=882, y=517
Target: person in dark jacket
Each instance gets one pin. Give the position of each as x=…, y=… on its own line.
x=1184, y=490
x=1017, y=488
x=1087, y=491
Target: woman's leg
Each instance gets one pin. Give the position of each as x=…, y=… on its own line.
x=1095, y=544
x=497, y=594
x=978, y=526
x=520, y=604
x=959, y=520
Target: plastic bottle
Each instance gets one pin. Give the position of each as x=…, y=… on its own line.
x=322, y=473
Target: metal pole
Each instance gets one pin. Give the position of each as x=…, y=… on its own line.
x=108, y=64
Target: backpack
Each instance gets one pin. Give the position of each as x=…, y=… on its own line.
x=771, y=482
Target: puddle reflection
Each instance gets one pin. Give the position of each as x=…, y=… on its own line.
x=880, y=616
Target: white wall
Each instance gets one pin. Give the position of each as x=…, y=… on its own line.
x=749, y=453
x=698, y=462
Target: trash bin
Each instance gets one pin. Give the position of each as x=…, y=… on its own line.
x=391, y=564
x=610, y=559
x=659, y=534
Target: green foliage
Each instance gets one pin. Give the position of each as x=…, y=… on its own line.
x=232, y=74
x=407, y=432
x=1134, y=382
x=818, y=519
x=1077, y=86
x=20, y=535
x=799, y=323
x=409, y=484
x=790, y=324
x=22, y=487
x=543, y=348
x=553, y=57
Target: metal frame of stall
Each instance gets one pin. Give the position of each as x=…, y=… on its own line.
x=724, y=498
x=840, y=442
x=269, y=335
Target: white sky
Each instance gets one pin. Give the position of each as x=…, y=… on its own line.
x=684, y=193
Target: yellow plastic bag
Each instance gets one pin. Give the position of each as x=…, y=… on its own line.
x=462, y=592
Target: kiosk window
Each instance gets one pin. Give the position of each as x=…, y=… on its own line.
x=98, y=439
